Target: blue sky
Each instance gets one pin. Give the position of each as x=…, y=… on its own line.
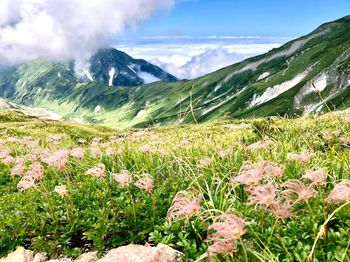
x=243, y=17
x=181, y=40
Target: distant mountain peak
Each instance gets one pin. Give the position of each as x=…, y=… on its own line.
x=110, y=66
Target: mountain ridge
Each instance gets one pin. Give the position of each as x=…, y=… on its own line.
x=305, y=76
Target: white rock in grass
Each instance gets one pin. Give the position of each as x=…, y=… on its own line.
x=40, y=257
x=61, y=260
x=87, y=257
x=138, y=253
x=20, y=255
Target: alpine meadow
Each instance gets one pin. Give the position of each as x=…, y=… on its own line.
x=108, y=157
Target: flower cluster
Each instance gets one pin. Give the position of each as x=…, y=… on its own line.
x=223, y=234
x=184, y=206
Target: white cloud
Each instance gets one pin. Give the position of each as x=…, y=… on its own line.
x=190, y=57
x=62, y=29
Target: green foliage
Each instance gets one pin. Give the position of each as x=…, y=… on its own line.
x=100, y=214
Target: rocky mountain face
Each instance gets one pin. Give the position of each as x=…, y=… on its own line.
x=309, y=75
x=115, y=68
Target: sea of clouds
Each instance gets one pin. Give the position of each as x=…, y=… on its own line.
x=190, y=57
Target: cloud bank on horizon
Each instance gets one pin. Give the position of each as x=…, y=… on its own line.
x=64, y=29
x=191, y=57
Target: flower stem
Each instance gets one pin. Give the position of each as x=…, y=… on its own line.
x=273, y=230
x=322, y=230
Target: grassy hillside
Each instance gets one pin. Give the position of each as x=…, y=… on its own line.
x=306, y=76
x=65, y=188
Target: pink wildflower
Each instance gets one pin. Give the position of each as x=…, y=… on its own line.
x=184, y=206
x=61, y=190
x=34, y=145
x=282, y=209
x=18, y=168
x=205, y=162
x=8, y=160
x=163, y=152
x=57, y=159
x=270, y=169
x=77, y=153
x=145, y=148
x=261, y=145
x=264, y=195
x=298, y=188
x=249, y=175
x=327, y=135
x=98, y=171
x=139, y=134
x=4, y=153
x=36, y=171
x=340, y=193
x=317, y=177
x=33, y=156
x=223, y=234
x=55, y=137
x=13, y=140
x=122, y=178
x=95, y=152
x=26, y=183
x=224, y=153
x=116, y=140
x=302, y=158
x=110, y=151
x=145, y=183
x=185, y=142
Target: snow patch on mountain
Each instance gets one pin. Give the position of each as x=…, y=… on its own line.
x=230, y=97
x=88, y=75
x=263, y=76
x=98, y=109
x=148, y=78
x=299, y=44
x=111, y=74
x=284, y=53
x=319, y=85
x=132, y=68
x=313, y=109
x=140, y=114
x=275, y=91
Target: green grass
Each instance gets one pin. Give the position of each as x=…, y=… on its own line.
x=99, y=214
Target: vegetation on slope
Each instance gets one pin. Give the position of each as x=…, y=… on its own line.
x=65, y=188
x=281, y=82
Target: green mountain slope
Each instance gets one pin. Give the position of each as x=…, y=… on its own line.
x=309, y=75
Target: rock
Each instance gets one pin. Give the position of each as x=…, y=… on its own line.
x=61, y=260
x=20, y=255
x=87, y=257
x=130, y=253
x=40, y=257
x=138, y=253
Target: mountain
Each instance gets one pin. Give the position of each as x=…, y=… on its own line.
x=309, y=75
x=113, y=67
x=107, y=67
